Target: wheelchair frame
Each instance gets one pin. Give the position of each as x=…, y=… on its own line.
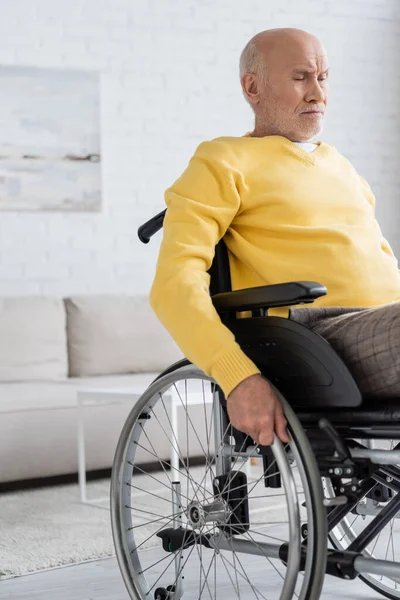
x=327, y=403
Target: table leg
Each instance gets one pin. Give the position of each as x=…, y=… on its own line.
x=174, y=456
x=81, y=452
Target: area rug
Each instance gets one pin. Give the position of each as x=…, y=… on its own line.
x=49, y=527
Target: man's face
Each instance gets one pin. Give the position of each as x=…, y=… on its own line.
x=292, y=100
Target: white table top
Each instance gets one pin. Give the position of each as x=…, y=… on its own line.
x=197, y=392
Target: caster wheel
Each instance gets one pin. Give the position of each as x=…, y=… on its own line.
x=160, y=594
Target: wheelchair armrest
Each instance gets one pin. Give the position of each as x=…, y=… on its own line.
x=269, y=296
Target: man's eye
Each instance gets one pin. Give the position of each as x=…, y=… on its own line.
x=299, y=78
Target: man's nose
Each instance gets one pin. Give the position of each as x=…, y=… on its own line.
x=315, y=92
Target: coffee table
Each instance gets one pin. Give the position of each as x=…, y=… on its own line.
x=97, y=397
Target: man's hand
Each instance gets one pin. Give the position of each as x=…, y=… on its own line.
x=254, y=408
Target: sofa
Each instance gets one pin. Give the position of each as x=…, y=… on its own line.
x=51, y=347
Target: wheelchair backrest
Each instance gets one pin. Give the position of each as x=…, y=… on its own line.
x=219, y=271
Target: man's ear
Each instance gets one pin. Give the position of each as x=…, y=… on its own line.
x=250, y=87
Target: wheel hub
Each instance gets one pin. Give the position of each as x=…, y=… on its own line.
x=199, y=514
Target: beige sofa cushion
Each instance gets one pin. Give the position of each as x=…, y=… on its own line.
x=116, y=334
x=33, y=343
x=54, y=395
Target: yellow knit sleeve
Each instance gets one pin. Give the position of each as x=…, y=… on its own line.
x=371, y=199
x=200, y=207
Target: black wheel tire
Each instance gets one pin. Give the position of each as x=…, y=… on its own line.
x=320, y=522
x=377, y=589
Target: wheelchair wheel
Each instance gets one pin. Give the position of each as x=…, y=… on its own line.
x=192, y=517
x=384, y=545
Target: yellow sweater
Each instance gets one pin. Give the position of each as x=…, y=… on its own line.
x=286, y=215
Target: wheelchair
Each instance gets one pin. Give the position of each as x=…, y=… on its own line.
x=228, y=518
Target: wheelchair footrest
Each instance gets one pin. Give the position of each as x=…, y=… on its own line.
x=180, y=539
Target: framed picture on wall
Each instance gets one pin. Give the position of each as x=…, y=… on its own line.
x=49, y=140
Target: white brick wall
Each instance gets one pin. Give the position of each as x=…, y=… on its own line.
x=169, y=80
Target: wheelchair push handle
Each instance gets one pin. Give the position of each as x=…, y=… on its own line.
x=148, y=229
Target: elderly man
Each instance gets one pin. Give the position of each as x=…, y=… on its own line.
x=289, y=208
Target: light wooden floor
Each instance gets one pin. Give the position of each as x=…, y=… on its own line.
x=101, y=580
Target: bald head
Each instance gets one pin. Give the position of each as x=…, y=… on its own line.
x=260, y=50
x=284, y=68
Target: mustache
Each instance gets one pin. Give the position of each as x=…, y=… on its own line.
x=314, y=109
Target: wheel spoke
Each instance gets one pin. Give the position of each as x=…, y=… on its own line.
x=159, y=481
x=167, y=567
x=269, y=537
x=237, y=589
x=256, y=592
x=134, y=487
x=206, y=577
x=175, y=439
x=152, y=534
x=149, y=513
x=190, y=421
x=265, y=556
